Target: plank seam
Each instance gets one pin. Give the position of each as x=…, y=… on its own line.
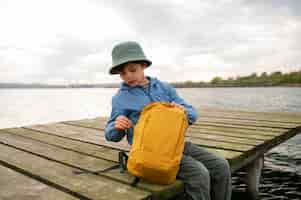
x=101, y=129
x=245, y=128
x=77, y=125
x=61, y=147
x=102, y=145
x=204, y=139
x=43, y=180
x=67, y=164
x=221, y=140
x=228, y=149
x=80, y=125
x=76, y=167
x=224, y=123
x=255, y=120
x=232, y=136
x=186, y=136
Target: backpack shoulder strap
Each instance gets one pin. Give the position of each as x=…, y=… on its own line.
x=122, y=162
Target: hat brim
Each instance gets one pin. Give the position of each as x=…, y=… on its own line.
x=115, y=69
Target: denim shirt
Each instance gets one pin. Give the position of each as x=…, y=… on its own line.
x=129, y=101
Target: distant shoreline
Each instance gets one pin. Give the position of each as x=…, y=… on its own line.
x=177, y=85
x=235, y=86
x=274, y=79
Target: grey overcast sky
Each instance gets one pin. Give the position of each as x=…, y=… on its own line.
x=70, y=41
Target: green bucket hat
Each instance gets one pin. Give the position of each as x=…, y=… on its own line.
x=127, y=52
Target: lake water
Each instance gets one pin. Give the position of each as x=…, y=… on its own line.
x=20, y=107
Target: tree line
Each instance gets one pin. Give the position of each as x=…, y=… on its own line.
x=276, y=78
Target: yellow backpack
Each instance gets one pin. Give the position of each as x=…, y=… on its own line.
x=158, y=143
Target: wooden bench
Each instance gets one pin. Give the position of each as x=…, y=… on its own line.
x=40, y=161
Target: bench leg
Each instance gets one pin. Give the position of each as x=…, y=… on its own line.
x=253, y=177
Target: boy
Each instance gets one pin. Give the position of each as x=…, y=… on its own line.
x=205, y=175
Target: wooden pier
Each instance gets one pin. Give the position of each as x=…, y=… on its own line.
x=41, y=161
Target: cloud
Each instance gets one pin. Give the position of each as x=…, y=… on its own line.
x=71, y=41
x=221, y=36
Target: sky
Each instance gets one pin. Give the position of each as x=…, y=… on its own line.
x=70, y=41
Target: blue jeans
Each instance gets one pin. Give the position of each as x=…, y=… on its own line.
x=205, y=175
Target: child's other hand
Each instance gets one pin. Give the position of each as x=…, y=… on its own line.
x=122, y=123
x=178, y=106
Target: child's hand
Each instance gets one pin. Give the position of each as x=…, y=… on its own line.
x=178, y=106
x=122, y=123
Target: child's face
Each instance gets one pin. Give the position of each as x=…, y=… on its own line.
x=133, y=73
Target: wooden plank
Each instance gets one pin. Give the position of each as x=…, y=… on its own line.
x=235, y=116
x=249, y=135
x=88, y=135
x=221, y=145
x=271, y=136
x=55, y=153
x=275, y=134
x=98, y=123
x=69, y=141
x=274, y=117
x=111, y=154
x=223, y=138
x=241, y=111
x=78, y=133
x=244, y=133
x=275, y=137
x=252, y=137
x=66, y=143
x=249, y=156
x=95, y=136
x=85, y=186
x=14, y=185
x=90, y=149
x=254, y=150
x=244, y=122
x=214, y=126
x=79, y=160
x=288, y=117
x=214, y=130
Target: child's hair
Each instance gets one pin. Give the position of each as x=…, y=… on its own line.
x=120, y=68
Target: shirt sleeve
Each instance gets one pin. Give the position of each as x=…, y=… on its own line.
x=191, y=111
x=111, y=134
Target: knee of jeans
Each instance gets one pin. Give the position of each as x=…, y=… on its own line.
x=203, y=174
x=224, y=167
